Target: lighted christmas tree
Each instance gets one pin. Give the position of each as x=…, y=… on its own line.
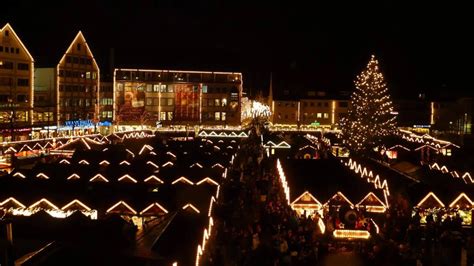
x=370, y=116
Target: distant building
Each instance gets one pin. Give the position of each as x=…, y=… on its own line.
x=16, y=86
x=170, y=97
x=452, y=116
x=314, y=109
x=73, y=82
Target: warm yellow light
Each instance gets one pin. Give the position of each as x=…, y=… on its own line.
x=153, y=177
x=184, y=180
x=127, y=177
x=16, y=202
x=151, y=206
x=42, y=175
x=462, y=195
x=121, y=203
x=76, y=201
x=431, y=194
x=73, y=176
x=43, y=200
x=207, y=180
x=189, y=205
x=98, y=177
x=350, y=234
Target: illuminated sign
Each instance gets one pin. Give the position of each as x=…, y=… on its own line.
x=78, y=123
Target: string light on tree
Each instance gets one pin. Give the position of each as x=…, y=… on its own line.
x=371, y=115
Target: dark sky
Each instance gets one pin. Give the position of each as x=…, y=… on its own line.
x=421, y=46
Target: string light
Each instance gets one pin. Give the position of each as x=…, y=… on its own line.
x=370, y=116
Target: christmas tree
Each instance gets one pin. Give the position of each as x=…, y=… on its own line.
x=370, y=116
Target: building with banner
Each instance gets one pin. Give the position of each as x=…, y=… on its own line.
x=170, y=97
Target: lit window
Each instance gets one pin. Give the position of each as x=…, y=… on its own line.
x=326, y=115
x=204, y=88
x=223, y=116
x=224, y=102
x=163, y=116
x=170, y=115
x=217, y=102
x=156, y=88
x=149, y=87
x=319, y=115
x=217, y=115
x=170, y=89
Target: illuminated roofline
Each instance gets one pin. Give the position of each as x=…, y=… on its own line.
x=78, y=202
x=189, y=205
x=9, y=27
x=368, y=195
x=432, y=195
x=14, y=200
x=462, y=195
x=125, y=204
x=177, y=71
x=311, y=195
x=151, y=206
x=43, y=200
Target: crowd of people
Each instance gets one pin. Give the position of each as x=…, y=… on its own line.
x=256, y=226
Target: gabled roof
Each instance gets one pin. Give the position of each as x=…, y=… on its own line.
x=10, y=29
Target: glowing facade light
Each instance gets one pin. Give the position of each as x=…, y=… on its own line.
x=42, y=201
x=333, y=112
x=12, y=200
x=184, y=180
x=306, y=199
x=121, y=204
x=42, y=175
x=339, y=195
x=127, y=177
x=73, y=176
x=207, y=180
x=18, y=174
x=351, y=234
x=189, y=205
x=124, y=162
x=154, y=205
x=98, y=178
x=428, y=196
x=64, y=161
x=459, y=199
x=370, y=207
x=76, y=202
x=84, y=162
x=153, y=178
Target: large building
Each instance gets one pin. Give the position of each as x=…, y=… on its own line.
x=170, y=97
x=71, y=85
x=314, y=109
x=16, y=86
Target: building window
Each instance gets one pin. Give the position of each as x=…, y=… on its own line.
x=223, y=116
x=94, y=75
x=149, y=87
x=170, y=101
x=75, y=60
x=224, y=102
x=217, y=102
x=170, y=115
x=326, y=104
x=12, y=50
x=17, y=50
x=170, y=89
x=326, y=115
x=1, y=48
x=204, y=88
x=319, y=115
x=217, y=116
x=163, y=88
x=7, y=65
x=156, y=88
x=149, y=101
x=7, y=33
x=343, y=104
x=68, y=59
x=78, y=46
x=162, y=115
x=21, y=98
x=23, y=82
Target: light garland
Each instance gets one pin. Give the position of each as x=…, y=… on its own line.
x=370, y=116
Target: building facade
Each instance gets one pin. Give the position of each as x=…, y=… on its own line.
x=73, y=84
x=16, y=86
x=316, y=109
x=169, y=97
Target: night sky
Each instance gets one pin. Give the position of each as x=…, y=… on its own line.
x=319, y=46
